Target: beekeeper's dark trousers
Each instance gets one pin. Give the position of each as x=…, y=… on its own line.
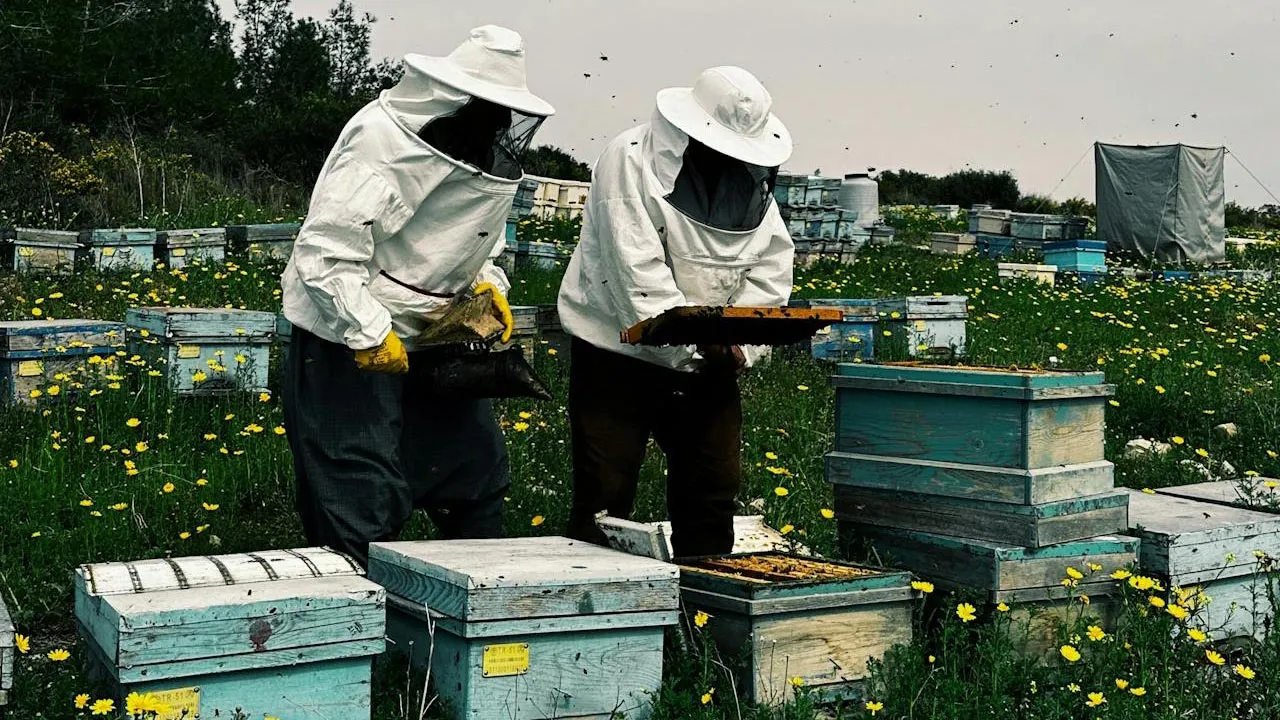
x=615, y=404
x=370, y=447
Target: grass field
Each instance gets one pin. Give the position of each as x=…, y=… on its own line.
x=112, y=467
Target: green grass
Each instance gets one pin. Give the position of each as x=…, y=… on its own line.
x=217, y=471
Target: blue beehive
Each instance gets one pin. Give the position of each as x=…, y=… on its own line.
x=996, y=246
x=33, y=352
x=531, y=627
x=205, y=350
x=126, y=249
x=281, y=633
x=1076, y=255
x=258, y=242
x=536, y=254
x=180, y=248
x=850, y=340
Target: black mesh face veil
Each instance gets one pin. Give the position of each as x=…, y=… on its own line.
x=485, y=135
x=722, y=192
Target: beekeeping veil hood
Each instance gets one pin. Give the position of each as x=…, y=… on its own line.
x=474, y=105
x=716, y=148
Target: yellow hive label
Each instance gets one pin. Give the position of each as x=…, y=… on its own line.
x=922, y=325
x=26, y=251
x=186, y=352
x=182, y=703
x=505, y=660
x=108, y=251
x=30, y=368
x=178, y=252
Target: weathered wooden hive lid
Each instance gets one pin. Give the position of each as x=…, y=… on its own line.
x=119, y=236
x=154, y=620
x=184, y=573
x=187, y=323
x=194, y=237
x=1015, y=383
x=1191, y=541
x=513, y=578
x=67, y=336
x=59, y=239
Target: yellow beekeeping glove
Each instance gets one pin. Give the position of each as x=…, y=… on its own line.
x=501, y=307
x=389, y=357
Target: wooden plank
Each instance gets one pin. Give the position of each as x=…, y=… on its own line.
x=591, y=674
x=1026, y=525
x=1188, y=541
x=1259, y=494
x=1003, y=570
x=7, y=649
x=895, y=373
x=653, y=540
x=1233, y=607
x=533, y=626
x=71, y=337
x=979, y=482
x=307, y=689
x=948, y=389
x=1036, y=628
x=777, y=606
x=922, y=427
x=1065, y=432
x=196, y=324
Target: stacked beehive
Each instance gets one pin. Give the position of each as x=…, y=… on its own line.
x=920, y=326
x=1001, y=232
x=820, y=228
x=559, y=198
x=980, y=478
x=1082, y=261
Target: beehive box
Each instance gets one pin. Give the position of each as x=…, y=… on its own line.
x=1003, y=571
x=1208, y=550
x=992, y=222
x=988, y=435
x=532, y=627
x=1032, y=226
x=179, y=248
x=996, y=246
x=509, y=232
x=551, y=333
x=952, y=243
x=40, y=251
x=205, y=350
x=653, y=540
x=7, y=640
x=930, y=327
x=814, y=191
x=790, y=616
x=1083, y=278
x=851, y=339
x=33, y=352
x=1077, y=255
x=536, y=254
x=267, y=241
x=283, y=633
x=1032, y=526
x=1250, y=493
x=126, y=249
x=1043, y=274
x=284, y=328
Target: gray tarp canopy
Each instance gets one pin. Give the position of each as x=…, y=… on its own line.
x=1163, y=203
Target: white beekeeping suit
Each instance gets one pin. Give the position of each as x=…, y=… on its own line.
x=411, y=205
x=681, y=212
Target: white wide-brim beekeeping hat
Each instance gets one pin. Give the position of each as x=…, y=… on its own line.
x=488, y=65
x=730, y=111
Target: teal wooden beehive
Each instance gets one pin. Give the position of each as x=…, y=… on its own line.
x=126, y=249
x=7, y=640
x=1001, y=436
x=536, y=254
x=532, y=627
x=205, y=350
x=283, y=633
x=1218, y=556
x=796, y=617
x=180, y=248
x=851, y=339
x=272, y=241
x=34, y=352
x=27, y=250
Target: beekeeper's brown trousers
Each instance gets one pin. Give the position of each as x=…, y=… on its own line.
x=615, y=404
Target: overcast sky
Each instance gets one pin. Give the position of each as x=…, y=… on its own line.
x=928, y=85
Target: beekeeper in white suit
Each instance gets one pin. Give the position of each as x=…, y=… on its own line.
x=680, y=212
x=407, y=213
